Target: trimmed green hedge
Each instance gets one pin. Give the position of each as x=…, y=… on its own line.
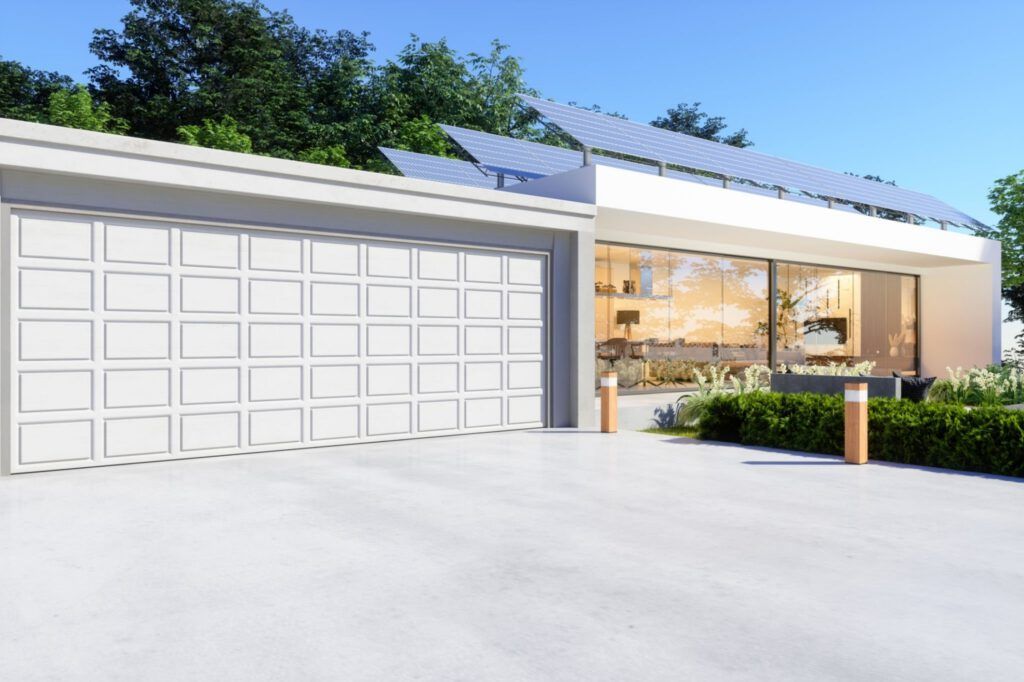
x=983, y=439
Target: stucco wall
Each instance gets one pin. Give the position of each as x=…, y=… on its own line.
x=959, y=323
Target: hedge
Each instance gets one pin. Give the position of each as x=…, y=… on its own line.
x=983, y=439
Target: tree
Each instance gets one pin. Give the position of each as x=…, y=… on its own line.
x=74, y=108
x=498, y=80
x=422, y=135
x=222, y=134
x=333, y=155
x=25, y=93
x=430, y=83
x=181, y=62
x=1007, y=200
x=689, y=119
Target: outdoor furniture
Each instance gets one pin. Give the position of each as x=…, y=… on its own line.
x=914, y=388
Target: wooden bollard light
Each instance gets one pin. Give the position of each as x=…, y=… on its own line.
x=856, y=419
x=609, y=402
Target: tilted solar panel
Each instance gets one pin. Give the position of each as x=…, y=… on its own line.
x=532, y=159
x=505, y=152
x=426, y=167
x=600, y=131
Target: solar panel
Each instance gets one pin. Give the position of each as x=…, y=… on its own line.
x=426, y=167
x=600, y=131
x=527, y=159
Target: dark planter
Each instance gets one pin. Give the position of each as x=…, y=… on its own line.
x=878, y=387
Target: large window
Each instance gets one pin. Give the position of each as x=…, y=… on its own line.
x=660, y=313
x=832, y=315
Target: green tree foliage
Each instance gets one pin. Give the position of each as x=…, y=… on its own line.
x=219, y=72
x=689, y=119
x=74, y=108
x=25, y=93
x=222, y=134
x=333, y=155
x=180, y=62
x=1007, y=201
x=430, y=83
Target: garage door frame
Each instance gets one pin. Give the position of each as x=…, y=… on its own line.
x=11, y=212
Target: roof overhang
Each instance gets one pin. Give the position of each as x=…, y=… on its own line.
x=637, y=208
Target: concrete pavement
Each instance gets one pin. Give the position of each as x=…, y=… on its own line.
x=548, y=555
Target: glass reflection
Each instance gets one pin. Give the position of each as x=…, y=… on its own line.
x=847, y=316
x=660, y=314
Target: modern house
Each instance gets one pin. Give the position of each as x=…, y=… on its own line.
x=162, y=301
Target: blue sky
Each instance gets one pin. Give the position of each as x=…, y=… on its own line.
x=929, y=94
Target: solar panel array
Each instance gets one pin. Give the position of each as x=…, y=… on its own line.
x=427, y=167
x=533, y=159
x=600, y=131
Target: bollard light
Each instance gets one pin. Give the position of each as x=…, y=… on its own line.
x=856, y=419
x=609, y=402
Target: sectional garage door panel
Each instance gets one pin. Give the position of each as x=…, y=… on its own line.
x=145, y=340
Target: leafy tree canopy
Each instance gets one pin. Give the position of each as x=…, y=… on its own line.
x=222, y=134
x=1007, y=201
x=689, y=119
x=25, y=93
x=74, y=108
x=233, y=74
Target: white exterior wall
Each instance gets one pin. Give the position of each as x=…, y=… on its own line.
x=958, y=329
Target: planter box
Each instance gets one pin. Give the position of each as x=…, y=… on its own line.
x=878, y=387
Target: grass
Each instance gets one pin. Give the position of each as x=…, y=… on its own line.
x=684, y=431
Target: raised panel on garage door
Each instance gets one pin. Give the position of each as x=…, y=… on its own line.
x=135, y=340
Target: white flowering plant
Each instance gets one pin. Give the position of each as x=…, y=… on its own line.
x=992, y=385
x=832, y=369
x=690, y=408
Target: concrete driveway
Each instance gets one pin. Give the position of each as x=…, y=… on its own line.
x=526, y=556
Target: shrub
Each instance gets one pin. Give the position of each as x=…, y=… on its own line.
x=985, y=439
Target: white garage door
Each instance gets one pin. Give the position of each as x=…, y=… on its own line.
x=137, y=341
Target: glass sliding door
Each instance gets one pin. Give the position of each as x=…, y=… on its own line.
x=827, y=314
